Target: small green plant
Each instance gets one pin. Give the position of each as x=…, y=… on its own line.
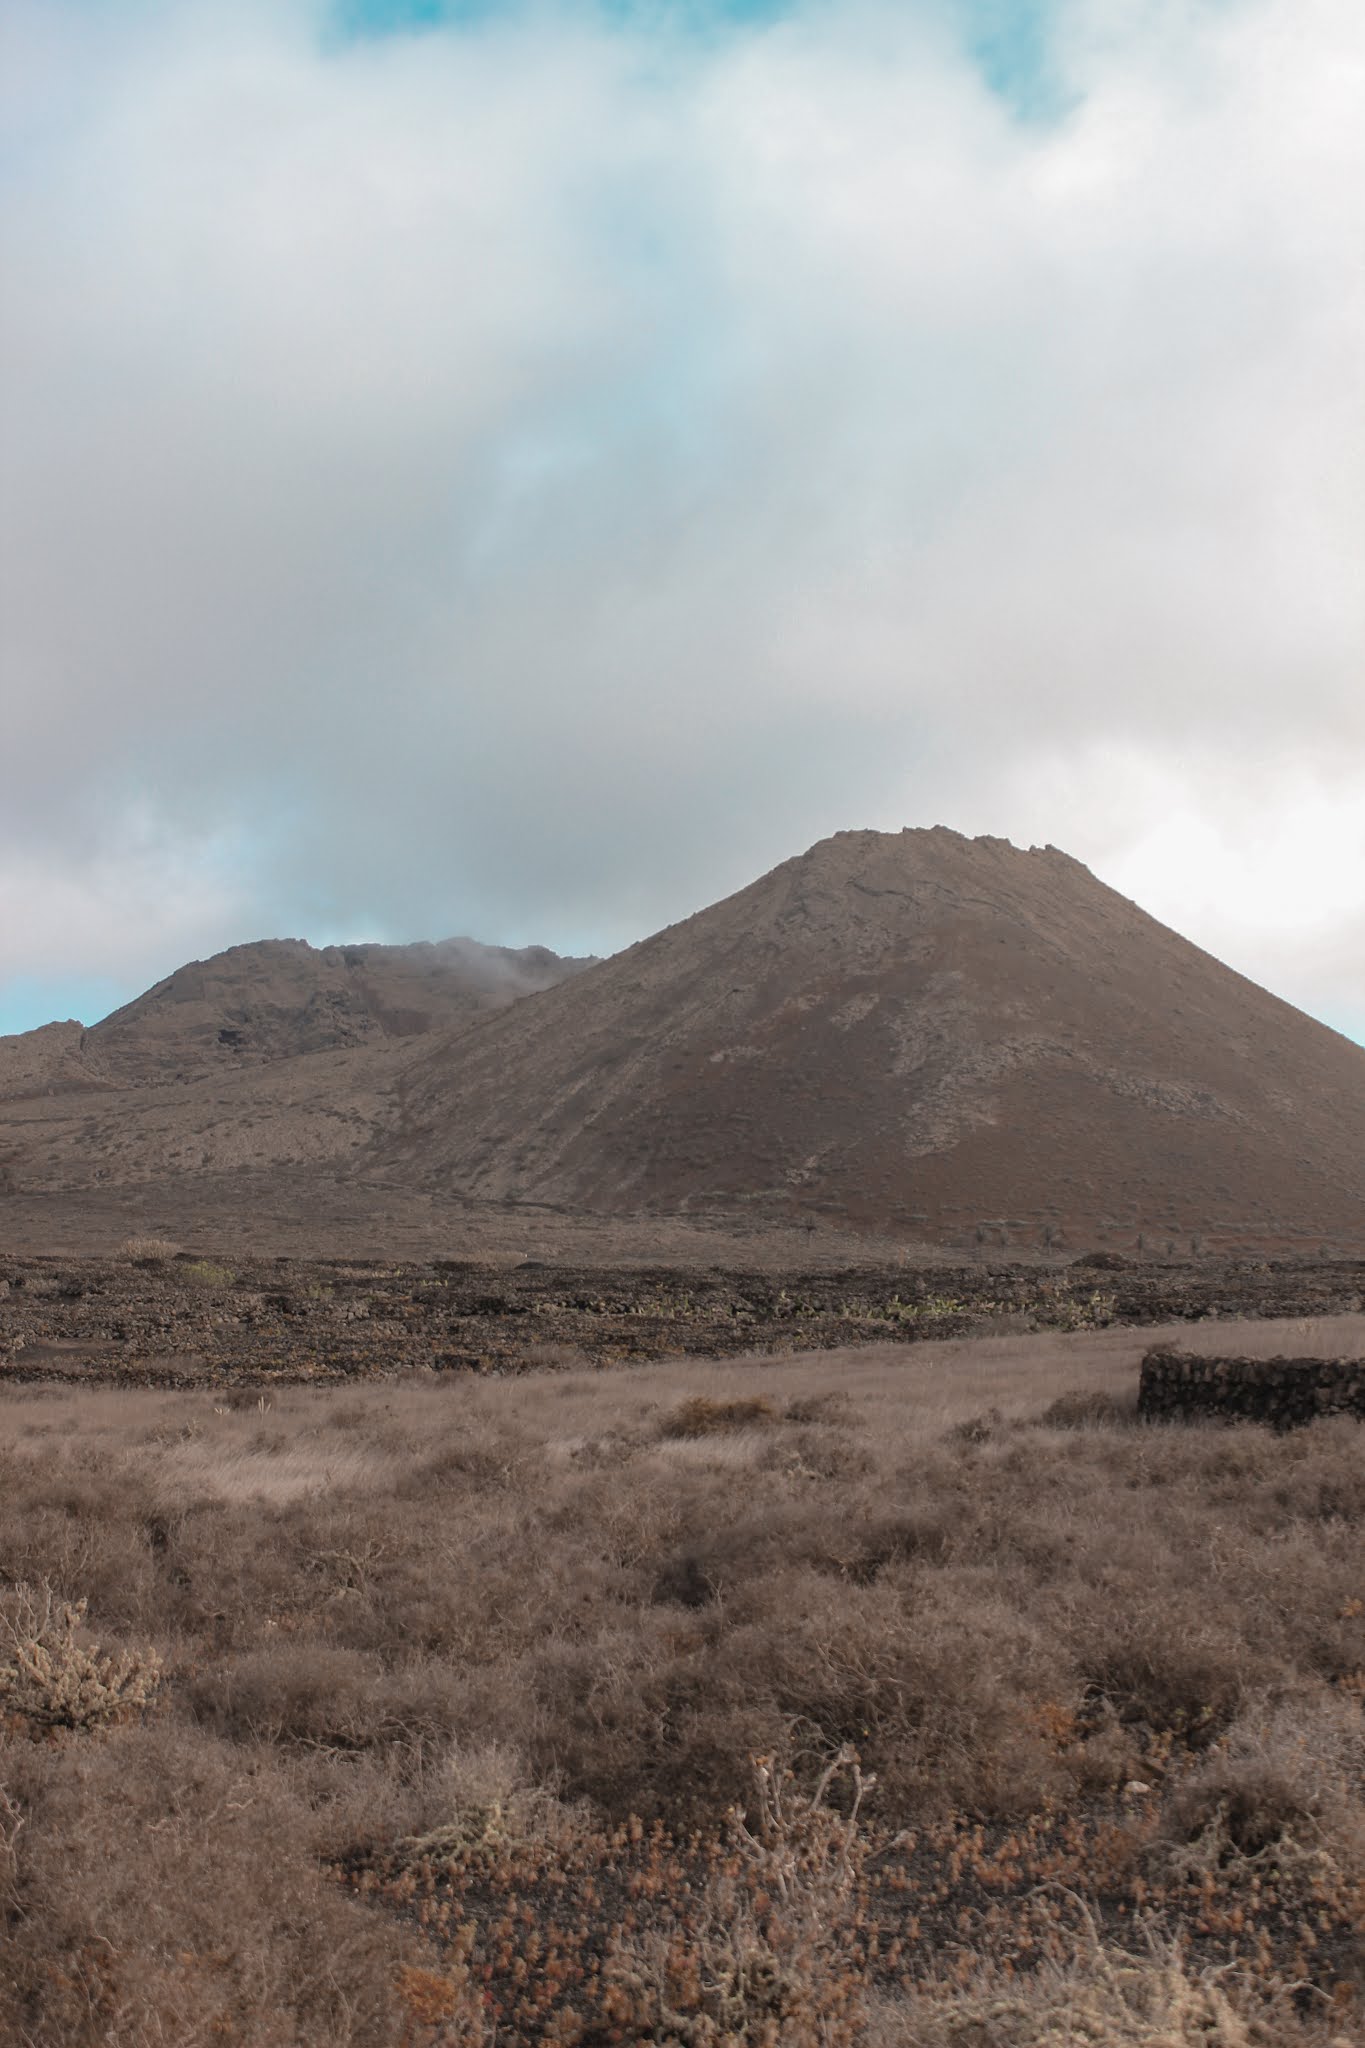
x=1094, y=1311
x=931, y=1307
x=51, y=1679
x=203, y=1273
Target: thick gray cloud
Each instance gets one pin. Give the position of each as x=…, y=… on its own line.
x=529, y=479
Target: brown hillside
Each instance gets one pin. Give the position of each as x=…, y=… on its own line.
x=282, y=998
x=50, y=1058
x=266, y=1056
x=913, y=1032
x=277, y=999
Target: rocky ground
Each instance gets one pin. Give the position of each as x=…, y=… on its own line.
x=152, y=1316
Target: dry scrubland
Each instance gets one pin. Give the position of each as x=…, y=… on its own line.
x=421, y=1713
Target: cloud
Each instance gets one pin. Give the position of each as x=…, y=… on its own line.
x=527, y=476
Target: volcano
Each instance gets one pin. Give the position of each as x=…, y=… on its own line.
x=910, y=1033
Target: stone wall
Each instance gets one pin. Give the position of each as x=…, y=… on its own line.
x=1283, y=1391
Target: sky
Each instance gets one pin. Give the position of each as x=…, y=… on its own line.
x=526, y=469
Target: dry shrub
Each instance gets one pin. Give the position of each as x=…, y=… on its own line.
x=1283, y=1788
x=149, y=1251
x=489, y=1805
x=704, y=1416
x=1102, y=1997
x=322, y=1697
x=169, y=1891
x=756, y=1962
x=819, y=1452
x=832, y=1408
x=243, y=1400
x=442, y=2005
x=11, y=1825
x=1090, y=1408
x=978, y=1429
x=50, y=1678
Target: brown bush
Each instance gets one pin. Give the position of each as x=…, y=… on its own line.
x=1285, y=1783
x=322, y=1697
x=1090, y=1408
x=703, y=1416
x=168, y=1889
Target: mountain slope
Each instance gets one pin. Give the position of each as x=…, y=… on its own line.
x=268, y=1055
x=273, y=1000
x=915, y=1032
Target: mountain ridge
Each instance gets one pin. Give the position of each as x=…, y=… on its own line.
x=274, y=999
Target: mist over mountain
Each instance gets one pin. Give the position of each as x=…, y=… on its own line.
x=267, y=1059
x=279, y=999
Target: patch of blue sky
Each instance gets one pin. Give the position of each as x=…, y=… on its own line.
x=408, y=17
x=1009, y=40
x=1011, y=44
x=30, y=1000
x=1349, y=1026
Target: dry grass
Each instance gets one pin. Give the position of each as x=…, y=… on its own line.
x=1100, y=1998
x=153, y=1249
x=456, y=1636
x=1292, y=1337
